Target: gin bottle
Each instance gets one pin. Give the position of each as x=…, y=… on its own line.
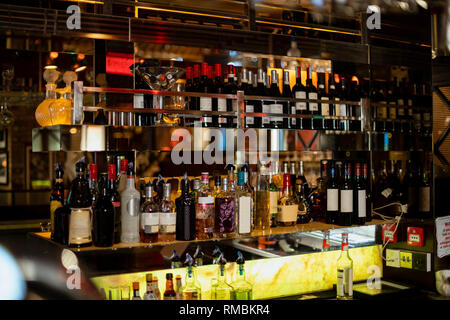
x=130, y=200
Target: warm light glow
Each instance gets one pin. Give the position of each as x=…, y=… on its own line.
x=51, y=67
x=81, y=56
x=87, y=1
x=82, y=68
x=187, y=12
x=73, y=130
x=54, y=55
x=308, y=28
x=355, y=78
x=4, y=163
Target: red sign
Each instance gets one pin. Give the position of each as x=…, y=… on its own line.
x=119, y=63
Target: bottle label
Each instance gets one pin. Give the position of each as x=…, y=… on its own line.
x=273, y=203
x=337, y=110
x=116, y=204
x=133, y=207
x=244, y=215
x=345, y=282
x=150, y=222
x=346, y=200
x=361, y=203
x=287, y=213
x=80, y=225
x=325, y=107
x=138, y=101
x=332, y=199
x=206, y=119
x=401, y=112
x=300, y=105
x=400, y=102
x=392, y=112
x=293, y=120
x=167, y=221
x=221, y=104
x=205, y=207
x=249, y=120
x=343, y=110
x=266, y=109
x=205, y=104
x=424, y=199
x=276, y=108
x=313, y=106
x=382, y=112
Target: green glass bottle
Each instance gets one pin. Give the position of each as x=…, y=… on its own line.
x=223, y=291
x=242, y=289
x=191, y=289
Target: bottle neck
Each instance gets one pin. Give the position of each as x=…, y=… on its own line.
x=131, y=183
x=222, y=274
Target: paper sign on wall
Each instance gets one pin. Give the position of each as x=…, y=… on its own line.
x=443, y=236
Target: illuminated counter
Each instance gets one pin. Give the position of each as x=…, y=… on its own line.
x=271, y=278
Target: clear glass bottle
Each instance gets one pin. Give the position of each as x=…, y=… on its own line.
x=156, y=288
x=204, y=210
x=274, y=194
x=149, y=227
x=287, y=205
x=344, y=272
x=244, y=207
x=242, y=289
x=222, y=291
x=61, y=108
x=167, y=216
x=150, y=294
x=262, y=200
x=225, y=213
x=130, y=201
x=43, y=114
x=122, y=178
x=80, y=203
x=191, y=289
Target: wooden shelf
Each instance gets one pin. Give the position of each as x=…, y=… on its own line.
x=312, y=226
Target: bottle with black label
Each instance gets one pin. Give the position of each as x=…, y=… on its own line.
x=346, y=197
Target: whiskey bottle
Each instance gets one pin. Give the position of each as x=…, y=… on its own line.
x=287, y=206
x=344, y=272
x=149, y=226
x=262, y=201
x=274, y=194
x=244, y=206
x=167, y=216
x=185, y=208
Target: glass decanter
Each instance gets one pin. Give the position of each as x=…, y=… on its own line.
x=61, y=109
x=43, y=114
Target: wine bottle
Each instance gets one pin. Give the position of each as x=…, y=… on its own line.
x=288, y=107
x=359, y=197
x=325, y=123
x=185, y=209
x=149, y=226
x=313, y=107
x=332, y=195
x=104, y=216
x=205, y=102
x=346, y=197
x=168, y=217
x=115, y=199
x=231, y=88
x=259, y=105
x=93, y=186
x=276, y=107
x=56, y=196
x=299, y=92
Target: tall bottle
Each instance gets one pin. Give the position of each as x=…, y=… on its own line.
x=191, y=289
x=359, y=197
x=313, y=107
x=288, y=107
x=80, y=202
x=93, y=186
x=205, y=102
x=323, y=124
x=231, y=88
x=223, y=291
x=424, y=203
x=274, y=193
x=369, y=203
x=318, y=196
x=304, y=206
x=167, y=217
x=130, y=208
x=244, y=206
x=249, y=104
x=104, y=216
x=300, y=178
x=60, y=232
x=299, y=92
x=122, y=178
x=276, y=107
x=346, y=198
x=333, y=96
x=56, y=196
x=204, y=210
x=260, y=92
x=149, y=226
x=287, y=206
x=115, y=199
x=169, y=293
x=262, y=201
x=219, y=104
x=185, y=209
x=150, y=294
x=344, y=272
x=242, y=289
x=332, y=196
x=225, y=213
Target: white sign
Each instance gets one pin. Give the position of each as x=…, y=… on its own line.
x=443, y=236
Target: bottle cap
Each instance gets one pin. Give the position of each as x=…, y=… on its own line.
x=218, y=70
x=240, y=259
x=130, y=171
x=123, y=165
x=174, y=257
x=93, y=171
x=299, y=72
x=149, y=277
x=274, y=77
x=135, y=285
x=189, y=261
x=80, y=167
x=167, y=190
x=210, y=72
x=198, y=253
x=196, y=71
x=216, y=253
x=204, y=69
x=189, y=73
x=111, y=171
x=178, y=277
x=286, y=77
x=221, y=261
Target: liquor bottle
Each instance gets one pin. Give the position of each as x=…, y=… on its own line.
x=122, y=179
x=103, y=221
x=408, y=99
x=196, y=186
x=244, y=206
x=130, y=200
x=204, y=210
x=299, y=92
x=189, y=87
x=300, y=178
x=136, y=295
x=318, y=196
x=185, y=208
x=288, y=107
x=266, y=104
x=179, y=285
x=417, y=114
x=175, y=260
x=61, y=225
x=219, y=104
x=383, y=190
x=93, y=186
x=242, y=289
x=274, y=194
x=304, y=207
x=326, y=240
x=150, y=295
x=149, y=226
x=100, y=118
x=167, y=217
x=332, y=196
x=196, y=87
x=368, y=193
x=169, y=293
x=217, y=183
x=249, y=104
x=355, y=110
x=198, y=257
x=223, y=291
x=262, y=201
x=205, y=102
x=346, y=197
x=344, y=284
x=382, y=113
x=293, y=172
x=156, y=288
x=225, y=213
x=231, y=88
x=80, y=203
x=115, y=200
x=158, y=186
x=333, y=96
x=325, y=123
x=343, y=107
x=191, y=289
x=359, y=197
x=260, y=92
x=276, y=107
x=287, y=206
x=399, y=94
x=424, y=203
x=56, y=196
x=313, y=107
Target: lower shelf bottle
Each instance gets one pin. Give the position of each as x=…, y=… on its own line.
x=242, y=289
x=169, y=293
x=191, y=289
x=222, y=290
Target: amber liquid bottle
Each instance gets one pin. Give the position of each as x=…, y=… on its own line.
x=169, y=293
x=287, y=206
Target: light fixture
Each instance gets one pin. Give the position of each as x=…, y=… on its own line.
x=79, y=69
x=54, y=55
x=50, y=67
